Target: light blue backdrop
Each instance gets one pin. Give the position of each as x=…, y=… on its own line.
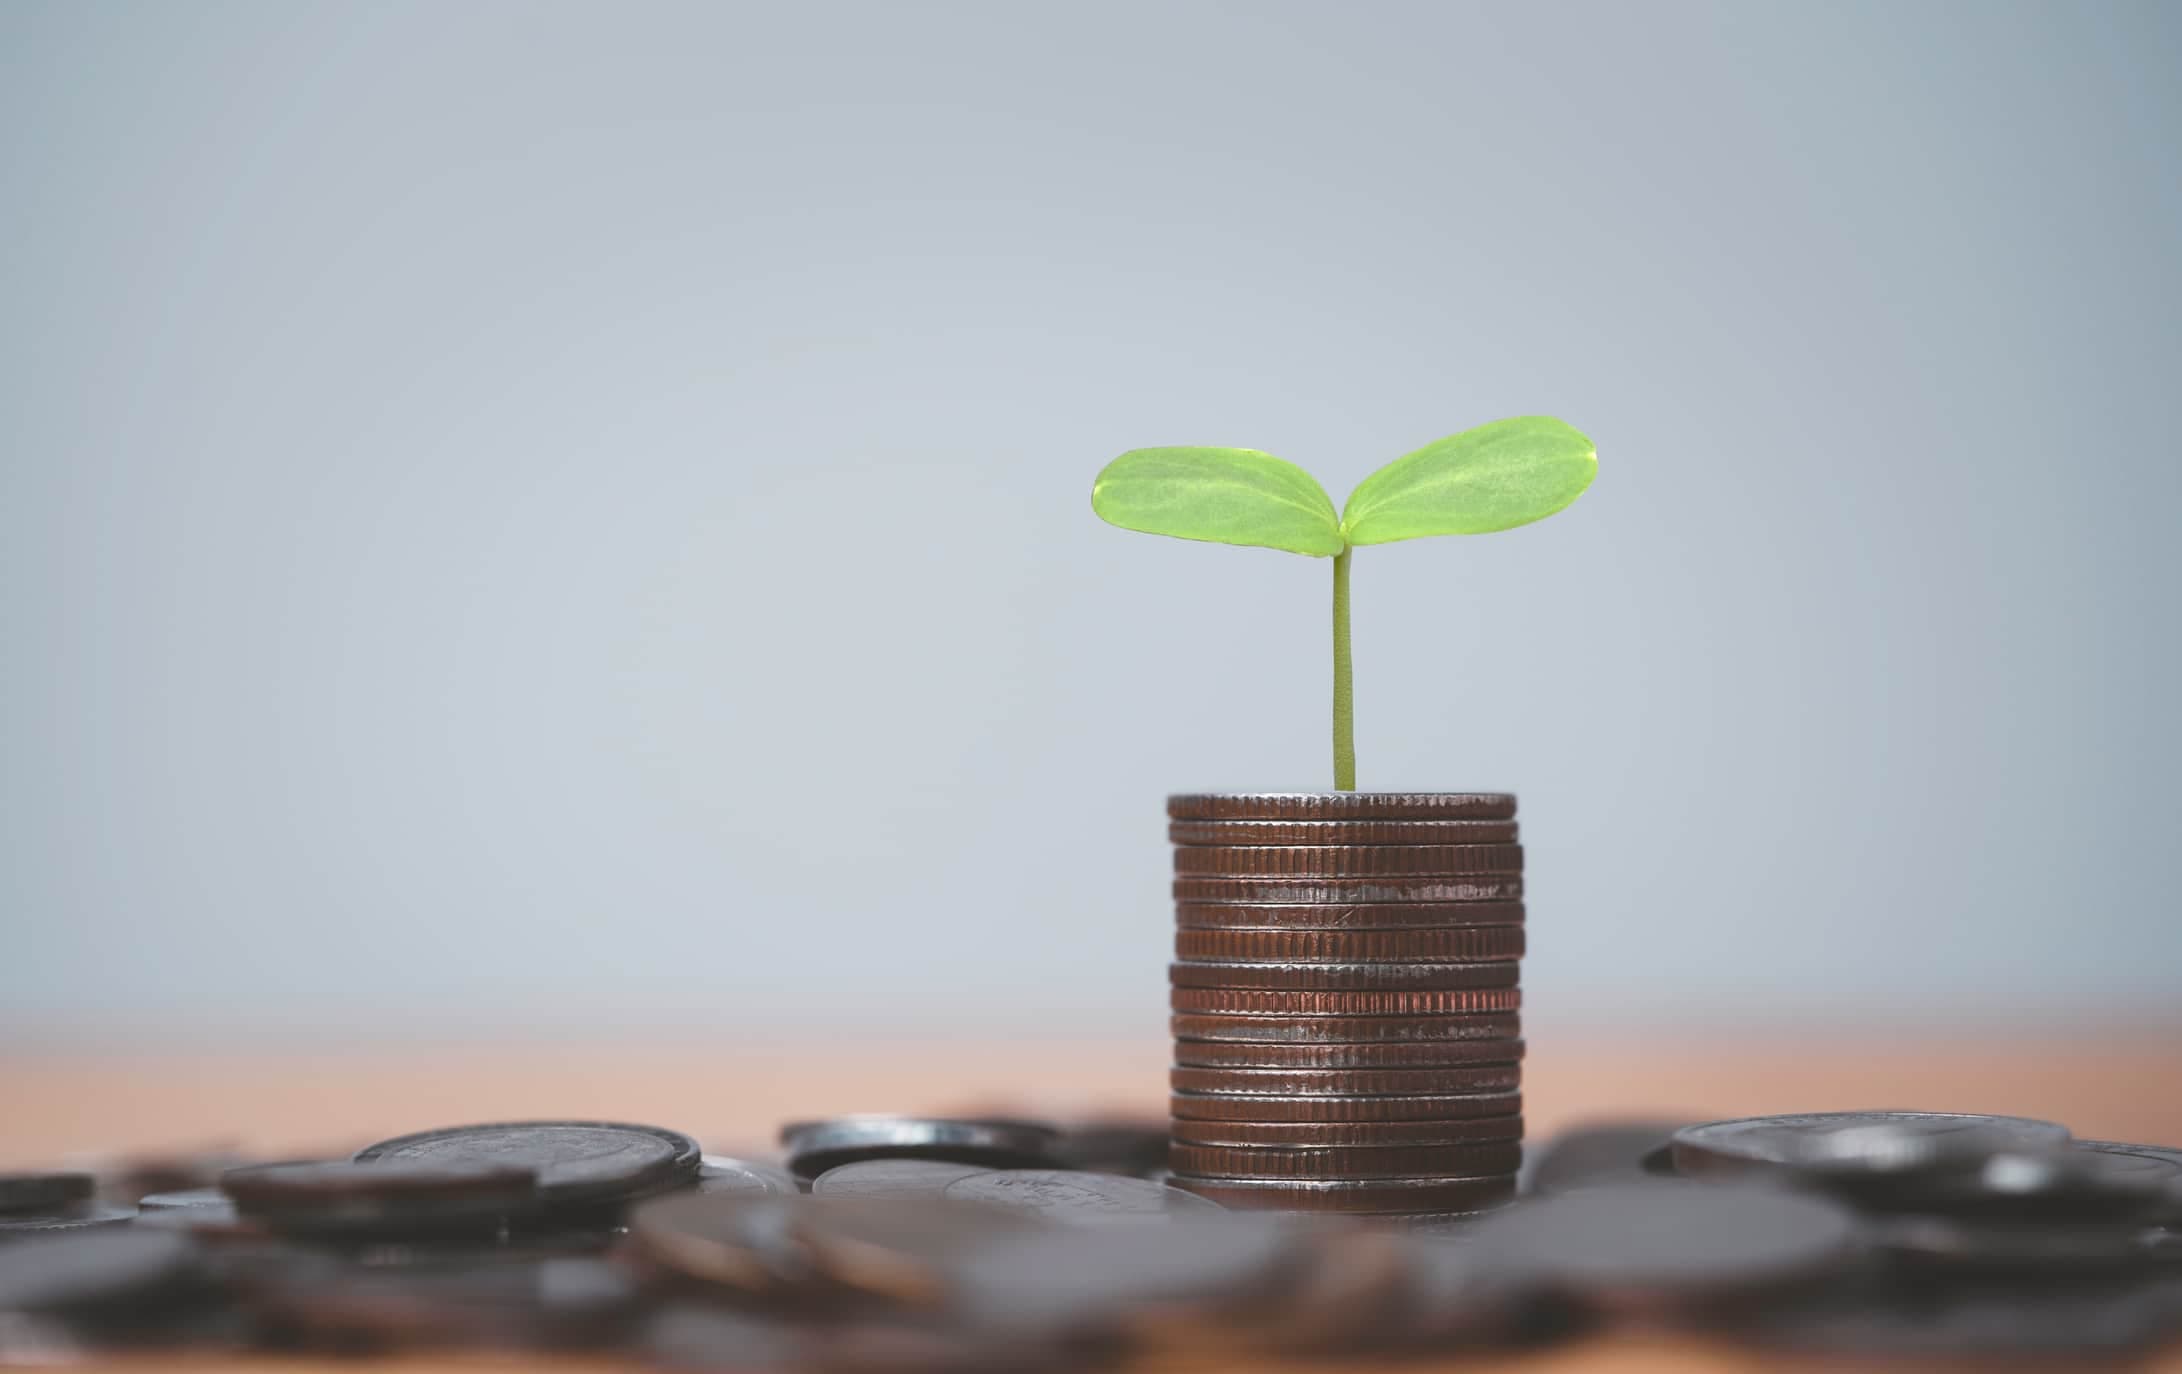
x=532, y=516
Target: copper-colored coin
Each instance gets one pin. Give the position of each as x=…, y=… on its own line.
x=1226, y=1054
x=1304, y=1002
x=1459, y=944
x=1239, y=1107
x=1342, y=832
x=1347, y=861
x=1371, y=1161
x=1339, y=806
x=1353, y=1195
x=1346, y=1134
x=1348, y=891
x=1343, y=1030
x=1344, y=977
x=1346, y=916
x=1470, y=1078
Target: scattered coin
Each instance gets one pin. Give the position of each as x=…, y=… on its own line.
x=1189, y=1283
x=1670, y=1244
x=901, y=1249
x=1222, y=1054
x=187, y=1199
x=726, y=1174
x=1368, y=1002
x=83, y=1217
x=1068, y=1196
x=342, y=1196
x=1842, y=1142
x=575, y=1161
x=2088, y=1320
x=1341, y=832
x=816, y=1146
x=1352, y=1195
x=43, y=1192
x=1380, y=977
x=1349, y=948
x=1359, y=1134
x=92, y=1269
x=1344, y=916
x=1471, y=1079
x=1373, y=1161
x=922, y=1178
x=1348, y=891
x=1241, y=1107
x=1344, y=1030
x=2047, y=1246
x=1332, y=806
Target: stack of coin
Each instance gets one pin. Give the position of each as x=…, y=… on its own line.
x=1345, y=1003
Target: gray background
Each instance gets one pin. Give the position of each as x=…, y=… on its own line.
x=524, y=517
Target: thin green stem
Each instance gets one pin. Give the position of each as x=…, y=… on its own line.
x=1344, y=691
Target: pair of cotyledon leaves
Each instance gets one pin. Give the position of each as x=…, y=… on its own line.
x=1494, y=477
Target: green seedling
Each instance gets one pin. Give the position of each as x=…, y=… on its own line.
x=1494, y=477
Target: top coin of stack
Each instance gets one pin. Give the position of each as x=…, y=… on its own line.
x=1345, y=1000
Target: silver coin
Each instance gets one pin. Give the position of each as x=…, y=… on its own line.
x=813, y=1147
x=1856, y=1142
x=1069, y=1196
x=893, y=1178
x=576, y=1161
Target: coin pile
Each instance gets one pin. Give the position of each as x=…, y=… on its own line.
x=1345, y=1000
x=920, y=1243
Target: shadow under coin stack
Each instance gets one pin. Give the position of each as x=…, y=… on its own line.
x=1345, y=1000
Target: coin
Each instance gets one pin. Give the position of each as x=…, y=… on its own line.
x=1344, y=1030
x=1341, y=832
x=743, y=1241
x=1364, y=1002
x=926, y=1178
x=575, y=1161
x=93, y=1269
x=43, y=1191
x=1458, y=945
x=901, y=1248
x=2045, y=1247
x=1481, y=1078
x=1353, y=916
x=1345, y=861
x=1342, y=977
x=1238, y=1107
x=1371, y=1161
x=1188, y=1283
x=725, y=1174
x=2029, y=1321
x=1352, y=1195
x=1333, y=806
x=1223, y=1054
x=1346, y=1134
x=187, y=1199
x=342, y=1196
x=83, y=1217
x=1870, y=1141
x=815, y=1146
x=1068, y=1196
x=1348, y=891
x=1670, y=1243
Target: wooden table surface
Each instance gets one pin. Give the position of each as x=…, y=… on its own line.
x=731, y=1092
